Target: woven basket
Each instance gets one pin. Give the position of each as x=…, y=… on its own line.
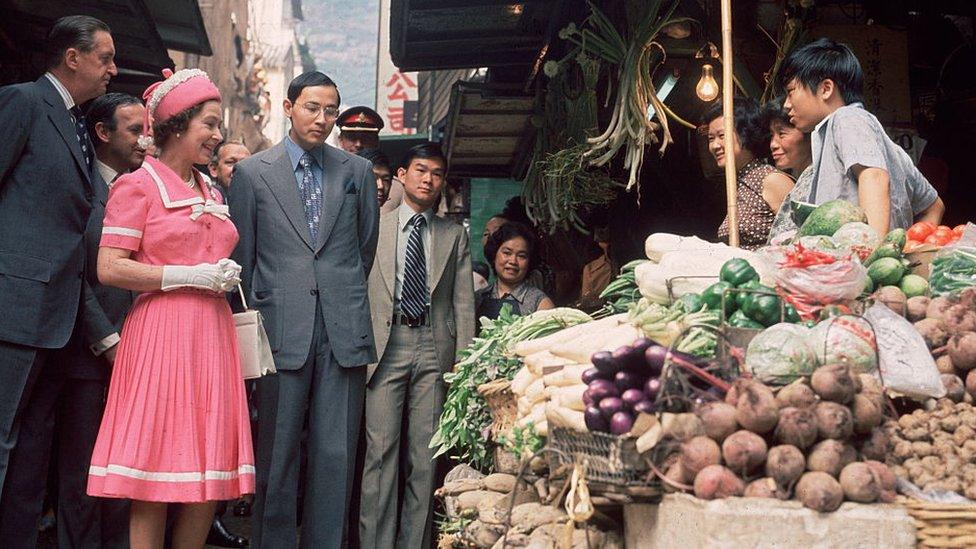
x=942, y=524
x=502, y=404
x=609, y=459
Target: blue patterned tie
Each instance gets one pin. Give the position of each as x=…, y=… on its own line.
x=413, y=298
x=81, y=129
x=311, y=190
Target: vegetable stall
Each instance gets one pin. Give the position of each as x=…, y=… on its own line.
x=827, y=379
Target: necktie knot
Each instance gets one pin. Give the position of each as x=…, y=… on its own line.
x=305, y=160
x=418, y=221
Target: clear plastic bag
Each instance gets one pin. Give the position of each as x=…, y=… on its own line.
x=954, y=266
x=811, y=288
x=906, y=365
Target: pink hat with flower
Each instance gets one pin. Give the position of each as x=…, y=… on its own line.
x=178, y=92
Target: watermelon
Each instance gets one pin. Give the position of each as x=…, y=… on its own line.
x=886, y=271
x=829, y=217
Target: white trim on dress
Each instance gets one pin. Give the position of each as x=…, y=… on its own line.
x=157, y=476
x=122, y=231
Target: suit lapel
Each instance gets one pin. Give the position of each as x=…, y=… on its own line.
x=280, y=178
x=61, y=119
x=442, y=248
x=334, y=175
x=386, y=249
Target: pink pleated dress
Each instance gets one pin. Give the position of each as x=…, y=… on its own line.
x=176, y=426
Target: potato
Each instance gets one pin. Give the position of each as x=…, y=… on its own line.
x=954, y=387
x=719, y=420
x=916, y=307
x=715, y=482
x=959, y=319
x=764, y=488
x=698, y=453
x=820, y=492
x=833, y=382
x=756, y=408
x=937, y=307
x=962, y=351
x=796, y=426
x=785, y=464
x=834, y=421
x=933, y=331
x=797, y=394
x=830, y=456
x=744, y=452
x=859, y=483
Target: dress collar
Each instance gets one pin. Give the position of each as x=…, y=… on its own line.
x=172, y=188
x=518, y=294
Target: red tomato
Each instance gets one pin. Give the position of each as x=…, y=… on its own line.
x=921, y=230
x=939, y=239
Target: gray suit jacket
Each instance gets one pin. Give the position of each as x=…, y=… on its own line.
x=452, y=297
x=45, y=201
x=285, y=274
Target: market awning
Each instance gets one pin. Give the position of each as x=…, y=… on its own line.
x=180, y=25
x=435, y=34
x=488, y=130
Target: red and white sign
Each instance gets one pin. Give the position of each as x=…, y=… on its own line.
x=396, y=92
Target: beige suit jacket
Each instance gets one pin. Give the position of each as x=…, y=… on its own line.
x=451, y=299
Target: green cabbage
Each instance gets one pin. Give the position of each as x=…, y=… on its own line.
x=780, y=354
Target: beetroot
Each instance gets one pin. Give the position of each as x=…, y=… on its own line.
x=834, y=420
x=933, y=331
x=797, y=427
x=833, y=382
x=820, y=492
x=744, y=452
x=785, y=464
x=698, y=453
x=916, y=307
x=886, y=480
x=937, y=308
x=959, y=319
x=763, y=488
x=859, y=483
x=756, y=408
x=955, y=390
x=715, y=481
x=719, y=420
x=830, y=456
x=797, y=394
x=876, y=446
x=866, y=413
x=962, y=351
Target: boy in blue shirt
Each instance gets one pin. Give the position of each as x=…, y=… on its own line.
x=853, y=157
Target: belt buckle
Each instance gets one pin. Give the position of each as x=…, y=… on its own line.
x=414, y=322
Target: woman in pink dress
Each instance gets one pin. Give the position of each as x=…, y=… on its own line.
x=175, y=427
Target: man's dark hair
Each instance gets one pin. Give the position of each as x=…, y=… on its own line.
x=216, y=151
x=310, y=79
x=426, y=150
x=73, y=31
x=102, y=109
x=377, y=157
x=822, y=59
x=750, y=127
x=507, y=232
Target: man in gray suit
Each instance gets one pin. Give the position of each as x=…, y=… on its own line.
x=46, y=194
x=422, y=300
x=308, y=219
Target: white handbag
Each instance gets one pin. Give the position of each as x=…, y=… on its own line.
x=252, y=342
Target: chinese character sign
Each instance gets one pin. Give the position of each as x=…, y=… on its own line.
x=396, y=92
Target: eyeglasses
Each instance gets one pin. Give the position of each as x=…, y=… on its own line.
x=313, y=110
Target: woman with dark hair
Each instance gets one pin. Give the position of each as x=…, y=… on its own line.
x=512, y=252
x=791, y=153
x=761, y=188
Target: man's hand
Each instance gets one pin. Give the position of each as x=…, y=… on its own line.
x=109, y=354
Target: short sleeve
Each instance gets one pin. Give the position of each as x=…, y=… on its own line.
x=921, y=193
x=859, y=141
x=125, y=214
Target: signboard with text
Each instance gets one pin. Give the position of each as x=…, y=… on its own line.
x=396, y=92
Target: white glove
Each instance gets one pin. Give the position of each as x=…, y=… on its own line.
x=220, y=277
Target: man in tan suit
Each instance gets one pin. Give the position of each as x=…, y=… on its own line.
x=422, y=302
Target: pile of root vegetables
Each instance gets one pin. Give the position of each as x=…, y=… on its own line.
x=948, y=325
x=818, y=440
x=936, y=449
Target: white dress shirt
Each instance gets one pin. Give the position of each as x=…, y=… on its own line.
x=69, y=102
x=107, y=172
x=404, y=214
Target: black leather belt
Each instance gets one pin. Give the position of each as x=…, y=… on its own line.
x=404, y=320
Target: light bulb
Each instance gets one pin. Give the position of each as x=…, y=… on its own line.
x=707, y=88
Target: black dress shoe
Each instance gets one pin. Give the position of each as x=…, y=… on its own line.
x=220, y=537
x=242, y=508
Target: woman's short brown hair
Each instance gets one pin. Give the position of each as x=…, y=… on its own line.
x=178, y=123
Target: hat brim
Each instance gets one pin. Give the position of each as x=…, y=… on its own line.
x=357, y=129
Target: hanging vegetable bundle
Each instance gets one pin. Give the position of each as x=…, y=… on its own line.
x=636, y=53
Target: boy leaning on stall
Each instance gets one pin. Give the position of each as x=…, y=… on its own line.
x=853, y=158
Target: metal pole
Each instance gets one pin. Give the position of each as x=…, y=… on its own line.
x=728, y=90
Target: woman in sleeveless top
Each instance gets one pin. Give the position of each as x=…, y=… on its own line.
x=761, y=188
x=512, y=252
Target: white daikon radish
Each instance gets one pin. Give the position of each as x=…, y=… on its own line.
x=536, y=362
x=559, y=416
x=521, y=381
x=524, y=406
x=536, y=415
x=580, y=350
x=536, y=391
x=542, y=428
x=568, y=397
x=532, y=346
x=569, y=375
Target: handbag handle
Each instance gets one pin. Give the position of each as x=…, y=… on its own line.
x=240, y=290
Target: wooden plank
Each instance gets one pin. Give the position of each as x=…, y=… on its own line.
x=491, y=145
x=512, y=124
x=477, y=103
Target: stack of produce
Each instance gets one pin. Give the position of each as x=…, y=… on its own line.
x=746, y=301
x=927, y=233
x=622, y=292
x=948, y=325
x=819, y=441
x=889, y=272
x=666, y=324
x=936, y=450
x=954, y=270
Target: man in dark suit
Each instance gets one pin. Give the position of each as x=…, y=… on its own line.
x=46, y=195
x=114, y=124
x=307, y=217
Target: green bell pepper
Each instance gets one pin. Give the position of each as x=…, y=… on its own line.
x=737, y=271
x=740, y=320
x=764, y=309
x=791, y=315
x=712, y=296
x=691, y=303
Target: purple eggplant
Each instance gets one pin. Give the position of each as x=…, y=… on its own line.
x=654, y=358
x=610, y=406
x=590, y=375
x=645, y=407
x=601, y=388
x=652, y=388
x=621, y=423
x=628, y=357
x=595, y=421
x=627, y=379
x=642, y=344
x=631, y=397
x=588, y=398
x=604, y=362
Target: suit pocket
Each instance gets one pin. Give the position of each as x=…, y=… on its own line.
x=451, y=328
x=25, y=266
x=350, y=187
